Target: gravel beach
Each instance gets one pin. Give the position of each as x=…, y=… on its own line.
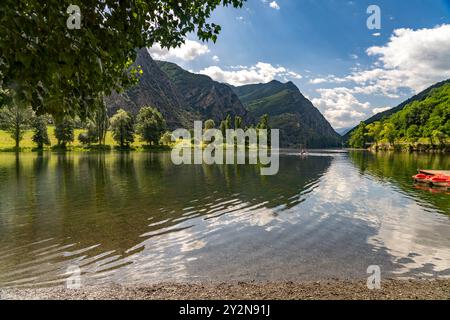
x=322, y=290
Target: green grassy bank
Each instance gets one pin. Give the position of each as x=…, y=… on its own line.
x=7, y=144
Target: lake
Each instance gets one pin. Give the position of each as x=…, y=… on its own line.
x=137, y=218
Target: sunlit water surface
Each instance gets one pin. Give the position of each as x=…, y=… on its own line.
x=137, y=218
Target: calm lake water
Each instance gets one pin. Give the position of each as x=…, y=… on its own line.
x=136, y=218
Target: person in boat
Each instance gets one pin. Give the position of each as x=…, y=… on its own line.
x=303, y=151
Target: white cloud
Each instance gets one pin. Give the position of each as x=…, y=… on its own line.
x=216, y=59
x=293, y=75
x=274, y=5
x=188, y=51
x=242, y=75
x=331, y=78
x=411, y=59
x=318, y=80
x=415, y=58
x=340, y=107
x=378, y=110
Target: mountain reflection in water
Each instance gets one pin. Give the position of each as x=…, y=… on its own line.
x=135, y=217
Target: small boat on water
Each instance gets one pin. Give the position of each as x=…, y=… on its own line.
x=303, y=152
x=421, y=178
x=440, y=179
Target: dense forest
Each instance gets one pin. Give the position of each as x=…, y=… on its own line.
x=425, y=121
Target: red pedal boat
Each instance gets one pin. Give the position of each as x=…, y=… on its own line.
x=422, y=178
x=440, y=181
x=433, y=178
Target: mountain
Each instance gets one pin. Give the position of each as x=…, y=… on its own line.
x=291, y=112
x=209, y=98
x=343, y=131
x=154, y=89
x=417, y=98
x=182, y=97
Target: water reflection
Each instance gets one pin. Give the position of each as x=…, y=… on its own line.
x=135, y=217
x=419, y=242
x=397, y=169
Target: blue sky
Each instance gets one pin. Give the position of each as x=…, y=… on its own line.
x=324, y=46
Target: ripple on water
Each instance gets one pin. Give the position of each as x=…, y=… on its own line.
x=139, y=218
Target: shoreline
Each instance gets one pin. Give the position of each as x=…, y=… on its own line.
x=391, y=289
x=155, y=149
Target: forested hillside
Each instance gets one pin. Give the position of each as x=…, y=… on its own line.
x=425, y=117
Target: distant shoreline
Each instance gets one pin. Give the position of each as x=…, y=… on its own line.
x=419, y=148
x=321, y=290
x=93, y=149
x=402, y=149
x=155, y=148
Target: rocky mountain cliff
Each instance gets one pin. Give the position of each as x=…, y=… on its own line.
x=179, y=95
x=299, y=121
x=209, y=98
x=154, y=89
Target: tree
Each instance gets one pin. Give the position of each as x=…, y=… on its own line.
x=40, y=135
x=92, y=132
x=446, y=127
x=63, y=71
x=389, y=133
x=64, y=131
x=122, y=128
x=15, y=119
x=228, y=122
x=223, y=127
x=440, y=136
x=374, y=131
x=166, y=138
x=150, y=125
x=358, y=136
x=237, y=122
x=428, y=133
x=264, y=125
x=83, y=138
x=91, y=135
x=210, y=124
x=264, y=122
x=101, y=122
x=413, y=133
